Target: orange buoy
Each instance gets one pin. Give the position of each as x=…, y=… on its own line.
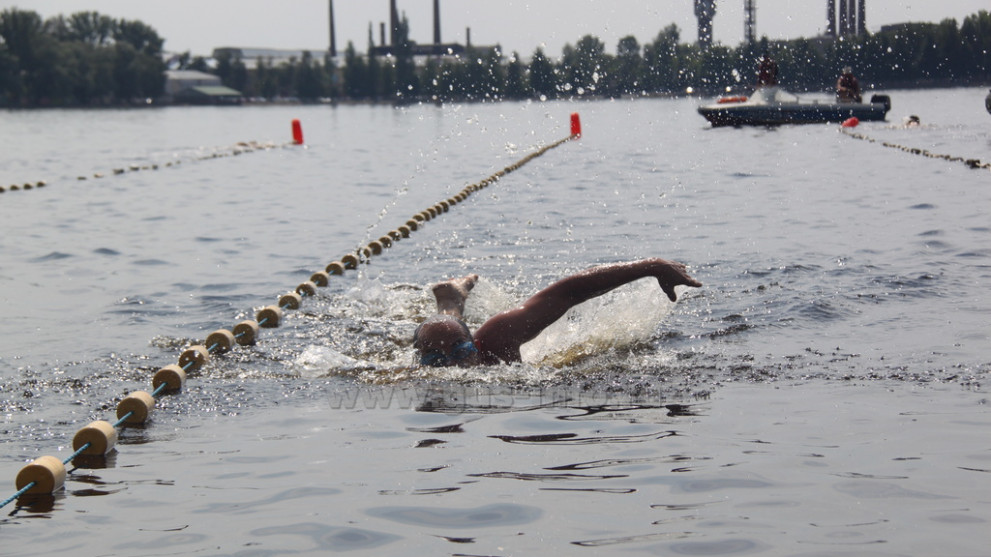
x=297, y=132
x=576, y=125
x=851, y=122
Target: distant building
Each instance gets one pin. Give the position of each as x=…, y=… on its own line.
x=251, y=57
x=193, y=87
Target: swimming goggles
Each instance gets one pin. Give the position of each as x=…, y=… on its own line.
x=436, y=358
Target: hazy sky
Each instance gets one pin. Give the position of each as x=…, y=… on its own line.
x=199, y=26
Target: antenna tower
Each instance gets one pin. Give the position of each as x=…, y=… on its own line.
x=750, y=21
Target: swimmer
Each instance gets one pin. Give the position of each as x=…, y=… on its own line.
x=445, y=340
x=912, y=121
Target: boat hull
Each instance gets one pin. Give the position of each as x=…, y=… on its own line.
x=799, y=113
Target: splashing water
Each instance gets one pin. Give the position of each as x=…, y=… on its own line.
x=619, y=320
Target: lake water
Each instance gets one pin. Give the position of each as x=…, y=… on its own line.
x=824, y=393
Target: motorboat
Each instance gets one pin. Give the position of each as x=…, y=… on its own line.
x=772, y=106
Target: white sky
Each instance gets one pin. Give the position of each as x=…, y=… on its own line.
x=199, y=26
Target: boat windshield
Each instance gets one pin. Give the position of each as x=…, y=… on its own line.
x=772, y=95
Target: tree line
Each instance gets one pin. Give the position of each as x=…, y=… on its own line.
x=85, y=59
x=89, y=59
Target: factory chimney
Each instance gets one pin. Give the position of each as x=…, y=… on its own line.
x=844, y=19
x=393, y=24
x=831, y=18
x=436, y=21
x=333, y=37
x=861, y=17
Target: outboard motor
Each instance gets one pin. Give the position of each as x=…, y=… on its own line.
x=883, y=99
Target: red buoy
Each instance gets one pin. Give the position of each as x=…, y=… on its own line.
x=851, y=122
x=576, y=125
x=297, y=132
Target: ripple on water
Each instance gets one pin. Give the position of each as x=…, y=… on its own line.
x=335, y=538
x=53, y=256
x=719, y=547
x=574, y=439
x=890, y=287
x=486, y=516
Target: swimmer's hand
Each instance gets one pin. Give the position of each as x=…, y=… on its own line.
x=670, y=274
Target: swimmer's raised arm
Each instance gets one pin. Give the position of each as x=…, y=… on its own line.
x=502, y=335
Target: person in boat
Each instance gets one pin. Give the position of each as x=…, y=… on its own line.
x=767, y=72
x=445, y=339
x=847, y=87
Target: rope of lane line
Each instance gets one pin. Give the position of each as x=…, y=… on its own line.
x=239, y=148
x=972, y=163
x=97, y=438
x=46, y=474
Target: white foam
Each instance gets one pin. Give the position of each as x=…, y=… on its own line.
x=622, y=318
x=322, y=361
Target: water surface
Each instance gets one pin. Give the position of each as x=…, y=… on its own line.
x=824, y=393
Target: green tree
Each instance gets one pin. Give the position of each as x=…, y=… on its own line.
x=543, y=79
x=483, y=75
x=975, y=36
x=232, y=71
x=516, y=87
x=266, y=82
x=143, y=38
x=355, y=74
x=628, y=69
x=11, y=88
x=660, y=60
x=90, y=28
x=583, y=65
x=309, y=83
x=406, y=83
x=22, y=36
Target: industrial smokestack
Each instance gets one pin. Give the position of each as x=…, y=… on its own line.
x=831, y=18
x=844, y=19
x=393, y=24
x=862, y=17
x=333, y=37
x=436, y=21
x=382, y=33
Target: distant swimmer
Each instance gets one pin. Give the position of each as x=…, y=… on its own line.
x=847, y=87
x=912, y=121
x=445, y=339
